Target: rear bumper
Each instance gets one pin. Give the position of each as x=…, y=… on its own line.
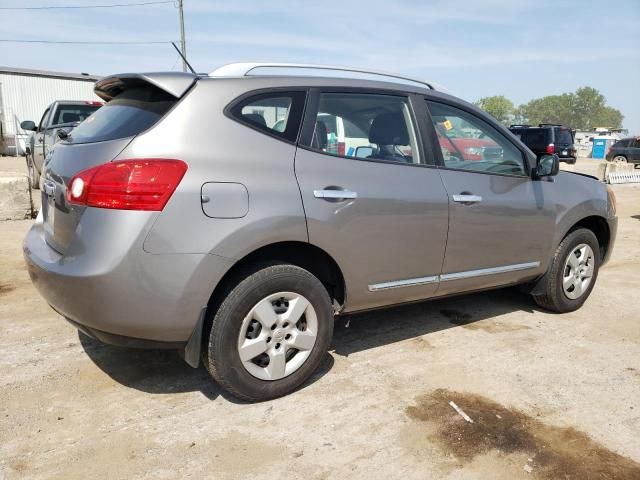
x=612, y=222
x=128, y=299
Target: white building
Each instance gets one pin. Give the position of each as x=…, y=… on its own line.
x=25, y=94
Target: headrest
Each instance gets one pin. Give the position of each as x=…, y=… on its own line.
x=70, y=117
x=389, y=129
x=256, y=118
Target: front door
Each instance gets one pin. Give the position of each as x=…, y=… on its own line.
x=38, y=147
x=373, y=201
x=501, y=226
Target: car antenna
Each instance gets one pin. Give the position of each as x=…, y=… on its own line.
x=184, y=58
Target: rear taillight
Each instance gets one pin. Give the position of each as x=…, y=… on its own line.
x=551, y=148
x=341, y=148
x=141, y=184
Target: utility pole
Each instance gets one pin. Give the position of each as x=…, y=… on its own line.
x=183, y=43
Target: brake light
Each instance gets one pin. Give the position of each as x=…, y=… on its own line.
x=550, y=148
x=97, y=104
x=341, y=148
x=141, y=184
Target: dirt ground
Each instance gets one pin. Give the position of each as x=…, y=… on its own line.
x=550, y=396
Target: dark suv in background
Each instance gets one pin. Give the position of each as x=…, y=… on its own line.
x=625, y=150
x=547, y=139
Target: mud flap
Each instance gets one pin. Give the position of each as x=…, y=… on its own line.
x=194, y=345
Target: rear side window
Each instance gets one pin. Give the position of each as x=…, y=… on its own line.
x=276, y=113
x=128, y=114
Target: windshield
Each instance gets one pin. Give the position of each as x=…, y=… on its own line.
x=129, y=113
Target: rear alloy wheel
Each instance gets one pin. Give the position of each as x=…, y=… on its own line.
x=572, y=273
x=270, y=333
x=620, y=159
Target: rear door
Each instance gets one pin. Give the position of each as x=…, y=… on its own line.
x=136, y=106
x=380, y=210
x=563, y=142
x=500, y=224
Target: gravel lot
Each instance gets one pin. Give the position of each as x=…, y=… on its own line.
x=551, y=396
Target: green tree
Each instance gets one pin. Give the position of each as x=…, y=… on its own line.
x=499, y=106
x=585, y=109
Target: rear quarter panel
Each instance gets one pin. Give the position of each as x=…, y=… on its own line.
x=219, y=149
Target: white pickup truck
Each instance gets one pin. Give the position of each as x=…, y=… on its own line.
x=61, y=115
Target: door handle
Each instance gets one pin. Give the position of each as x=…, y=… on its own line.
x=467, y=199
x=334, y=194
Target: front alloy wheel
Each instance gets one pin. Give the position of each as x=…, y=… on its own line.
x=572, y=273
x=578, y=271
x=619, y=159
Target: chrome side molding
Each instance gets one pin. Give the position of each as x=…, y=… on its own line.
x=446, y=277
x=410, y=282
x=488, y=271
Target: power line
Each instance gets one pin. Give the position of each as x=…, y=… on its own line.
x=111, y=5
x=64, y=42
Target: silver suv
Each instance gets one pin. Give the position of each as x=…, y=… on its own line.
x=232, y=216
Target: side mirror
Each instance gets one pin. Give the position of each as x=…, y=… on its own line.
x=363, y=152
x=28, y=125
x=548, y=166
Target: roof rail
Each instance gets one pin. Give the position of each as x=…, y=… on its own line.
x=244, y=70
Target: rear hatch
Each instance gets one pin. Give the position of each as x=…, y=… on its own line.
x=563, y=142
x=135, y=102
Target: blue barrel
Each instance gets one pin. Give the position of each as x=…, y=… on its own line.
x=599, y=148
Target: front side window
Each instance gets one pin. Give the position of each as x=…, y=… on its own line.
x=469, y=143
x=369, y=126
x=277, y=113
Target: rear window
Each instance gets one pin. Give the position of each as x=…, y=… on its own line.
x=129, y=113
x=73, y=113
x=536, y=138
x=563, y=136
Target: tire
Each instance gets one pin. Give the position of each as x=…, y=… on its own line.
x=619, y=159
x=556, y=296
x=34, y=175
x=243, y=318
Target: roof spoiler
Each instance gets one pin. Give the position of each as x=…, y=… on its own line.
x=174, y=83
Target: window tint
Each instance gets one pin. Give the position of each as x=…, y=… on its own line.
x=129, y=113
x=634, y=143
x=563, y=136
x=277, y=113
x=377, y=127
x=73, y=113
x=468, y=143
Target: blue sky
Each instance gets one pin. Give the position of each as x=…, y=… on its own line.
x=522, y=49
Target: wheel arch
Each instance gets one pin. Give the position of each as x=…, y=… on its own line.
x=302, y=254
x=600, y=228
x=595, y=223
